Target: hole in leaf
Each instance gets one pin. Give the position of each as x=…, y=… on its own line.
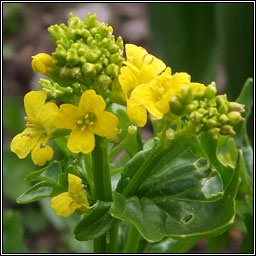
x=202, y=163
x=212, y=185
x=187, y=218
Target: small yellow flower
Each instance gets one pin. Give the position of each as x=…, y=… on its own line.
x=41, y=63
x=141, y=69
x=39, y=124
x=87, y=119
x=66, y=203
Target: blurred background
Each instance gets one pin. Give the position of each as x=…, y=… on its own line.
x=210, y=41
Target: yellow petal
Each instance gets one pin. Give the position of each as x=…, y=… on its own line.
x=137, y=114
x=128, y=80
x=197, y=87
x=64, y=204
x=41, y=63
x=142, y=94
x=67, y=116
x=153, y=110
x=81, y=141
x=46, y=116
x=21, y=144
x=180, y=80
x=91, y=102
x=40, y=155
x=106, y=125
x=135, y=54
x=74, y=184
x=33, y=102
x=138, y=56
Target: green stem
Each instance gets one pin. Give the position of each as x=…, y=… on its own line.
x=133, y=240
x=100, y=244
x=139, y=139
x=102, y=183
x=117, y=148
x=112, y=247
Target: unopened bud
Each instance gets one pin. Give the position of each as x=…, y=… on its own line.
x=176, y=105
x=112, y=70
x=192, y=106
x=234, y=117
x=223, y=109
x=221, y=99
x=214, y=132
x=234, y=106
x=198, y=128
x=132, y=129
x=186, y=95
x=195, y=116
x=210, y=90
x=41, y=63
x=211, y=123
x=227, y=130
x=170, y=134
x=223, y=118
x=104, y=80
x=89, y=69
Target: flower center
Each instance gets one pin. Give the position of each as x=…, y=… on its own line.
x=87, y=121
x=35, y=127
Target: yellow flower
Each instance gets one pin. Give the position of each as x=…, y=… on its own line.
x=41, y=63
x=141, y=68
x=87, y=119
x=66, y=203
x=39, y=124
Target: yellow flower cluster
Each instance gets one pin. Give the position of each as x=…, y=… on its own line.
x=148, y=85
x=46, y=121
x=75, y=199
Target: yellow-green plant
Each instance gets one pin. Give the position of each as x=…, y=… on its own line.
x=177, y=185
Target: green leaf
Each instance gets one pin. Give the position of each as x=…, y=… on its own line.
x=12, y=233
x=95, y=223
x=38, y=191
x=49, y=173
x=169, y=245
x=175, y=199
x=241, y=137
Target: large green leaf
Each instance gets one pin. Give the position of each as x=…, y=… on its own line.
x=169, y=245
x=183, y=198
x=94, y=224
x=38, y=191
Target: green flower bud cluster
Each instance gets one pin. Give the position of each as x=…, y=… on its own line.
x=214, y=114
x=56, y=92
x=86, y=52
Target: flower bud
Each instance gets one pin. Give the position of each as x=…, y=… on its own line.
x=223, y=118
x=132, y=129
x=234, y=117
x=72, y=57
x=211, y=123
x=112, y=70
x=176, y=105
x=186, y=95
x=227, y=130
x=234, y=106
x=214, y=132
x=195, y=116
x=210, y=90
x=41, y=63
x=104, y=80
x=170, y=134
x=89, y=69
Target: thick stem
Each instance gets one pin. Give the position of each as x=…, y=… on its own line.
x=112, y=247
x=133, y=240
x=102, y=183
x=101, y=172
